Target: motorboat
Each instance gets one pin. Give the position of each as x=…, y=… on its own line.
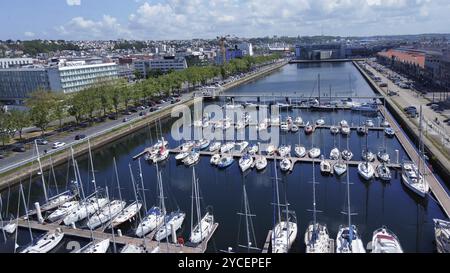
x=385, y=241
x=181, y=156
x=389, y=132
x=85, y=209
x=45, y=243
x=174, y=220
x=339, y=168
x=442, y=235
x=383, y=172
x=309, y=129
x=63, y=210
x=202, y=229
x=126, y=214
x=260, y=162
x=314, y=153
x=100, y=246
x=225, y=161
x=202, y=144
x=227, y=147
x=365, y=169
x=320, y=122
x=343, y=123
x=245, y=162
x=107, y=213
x=325, y=166
x=192, y=158
x=368, y=155
x=187, y=146
x=300, y=151
x=383, y=157
x=215, y=159
x=347, y=155
x=284, y=150
x=55, y=202
x=285, y=164
x=153, y=219
x=334, y=130
x=335, y=154
x=348, y=240
x=414, y=180
x=294, y=128
x=215, y=146
x=345, y=130
x=254, y=149
x=241, y=146
x=298, y=121
x=271, y=149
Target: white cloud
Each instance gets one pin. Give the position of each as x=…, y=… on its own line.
x=108, y=26
x=73, y=2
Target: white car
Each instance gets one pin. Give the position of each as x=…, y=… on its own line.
x=57, y=145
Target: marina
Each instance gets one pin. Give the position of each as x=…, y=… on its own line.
x=378, y=203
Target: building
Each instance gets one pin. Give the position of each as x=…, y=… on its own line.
x=444, y=70
x=408, y=57
x=246, y=48
x=320, y=51
x=17, y=83
x=165, y=64
x=230, y=54
x=15, y=62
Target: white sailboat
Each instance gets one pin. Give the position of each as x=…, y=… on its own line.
x=284, y=150
x=215, y=146
x=215, y=159
x=63, y=210
x=335, y=154
x=286, y=164
x=227, y=147
x=192, y=158
x=100, y=246
x=172, y=223
x=442, y=235
x=385, y=241
x=181, y=156
x=45, y=243
x=246, y=162
x=126, y=214
x=365, y=169
x=106, y=214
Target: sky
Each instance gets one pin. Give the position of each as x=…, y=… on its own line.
x=188, y=19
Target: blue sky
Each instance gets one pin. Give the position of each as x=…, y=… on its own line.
x=185, y=19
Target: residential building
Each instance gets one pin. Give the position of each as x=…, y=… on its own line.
x=165, y=64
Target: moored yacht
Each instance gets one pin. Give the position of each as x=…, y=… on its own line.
x=385, y=241
x=414, y=180
x=442, y=235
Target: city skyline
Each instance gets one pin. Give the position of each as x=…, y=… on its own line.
x=176, y=19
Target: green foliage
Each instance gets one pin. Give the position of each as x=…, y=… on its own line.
x=41, y=104
x=38, y=46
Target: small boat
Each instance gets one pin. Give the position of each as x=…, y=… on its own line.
x=345, y=130
x=160, y=143
x=55, y=202
x=369, y=123
x=294, y=128
x=254, y=149
x=309, y=129
x=383, y=157
x=153, y=218
x=385, y=124
x=389, y=132
x=106, y=214
x=127, y=214
x=227, y=147
x=187, y=146
x=320, y=122
x=130, y=248
x=271, y=149
x=45, y=243
x=442, y=235
x=9, y=227
x=298, y=121
x=385, y=241
x=215, y=146
x=174, y=220
x=202, y=229
x=365, y=169
x=225, y=162
x=317, y=239
x=347, y=155
x=86, y=208
x=285, y=164
x=284, y=127
x=368, y=156
x=96, y=247
x=284, y=235
x=361, y=130
x=62, y=211
x=314, y=153
x=245, y=162
x=260, y=163
x=289, y=120
x=215, y=159
x=343, y=123
x=414, y=180
x=181, y=156
x=335, y=154
x=162, y=155
x=334, y=130
x=192, y=158
x=339, y=168
x=241, y=146
x=300, y=151
x=284, y=150
x=383, y=172
x=325, y=166
x=348, y=241
x=202, y=144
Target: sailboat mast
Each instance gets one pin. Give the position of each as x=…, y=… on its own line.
x=26, y=212
x=348, y=200
x=314, y=195
x=277, y=191
x=161, y=190
x=246, y=216
x=318, y=79
x=136, y=199
x=420, y=139
x=92, y=166
x=78, y=179
x=42, y=173
x=117, y=178
x=142, y=185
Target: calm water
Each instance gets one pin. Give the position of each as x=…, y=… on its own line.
x=376, y=203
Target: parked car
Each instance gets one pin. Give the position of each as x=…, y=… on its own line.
x=79, y=137
x=141, y=114
x=57, y=145
x=152, y=109
x=409, y=108
x=112, y=116
x=19, y=148
x=41, y=141
x=125, y=120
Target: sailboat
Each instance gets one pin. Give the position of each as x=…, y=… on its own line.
x=340, y=167
x=173, y=222
x=299, y=149
x=245, y=162
x=365, y=169
x=348, y=240
x=442, y=235
x=260, y=161
x=106, y=213
x=206, y=224
x=98, y=246
x=215, y=159
x=285, y=231
x=45, y=243
x=286, y=164
x=192, y=158
x=63, y=210
x=383, y=171
x=317, y=238
x=251, y=243
x=335, y=154
x=385, y=241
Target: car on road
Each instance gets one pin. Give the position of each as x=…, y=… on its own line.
x=57, y=145
x=79, y=137
x=409, y=108
x=41, y=141
x=125, y=120
x=19, y=148
x=141, y=114
x=2, y=156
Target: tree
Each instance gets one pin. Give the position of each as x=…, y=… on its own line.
x=41, y=104
x=104, y=93
x=17, y=120
x=126, y=94
x=60, y=109
x=4, y=136
x=77, y=107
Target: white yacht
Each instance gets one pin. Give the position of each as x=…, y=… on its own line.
x=63, y=210
x=162, y=155
x=285, y=164
x=215, y=159
x=187, y=146
x=245, y=162
x=345, y=130
x=192, y=158
x=175, y=220
x=284, y=127
x=45, y=243
x=227, y=147
x=325, y=166
x=254, y=149
x=339, y=168
x=100, y=247
x=334, y=130
x=335, y=154
x=414, y=180
x=442, y=235
x=385, y=241
x=86, y=208
x=107, y=213
x=317, y=239
x=153, y=218
x=215, y=146
x=181, y=156
x=127, y=214
x=202, y=229
x=314, y=153
x=271, y=149
x=347, y=155
x=260, y=162
x=241, y=146
x=129, y=248
x=284, y=150
x=348, y=241
x=284, y=235
x=300, y=151
x=298, y=121
x=320, y=122
x=365, y=169
x=383, y=172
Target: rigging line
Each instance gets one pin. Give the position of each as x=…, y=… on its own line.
x=54, y=176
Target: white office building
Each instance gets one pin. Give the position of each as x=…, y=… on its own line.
x=165, y=65
x=15, y=62
x=246, y=48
